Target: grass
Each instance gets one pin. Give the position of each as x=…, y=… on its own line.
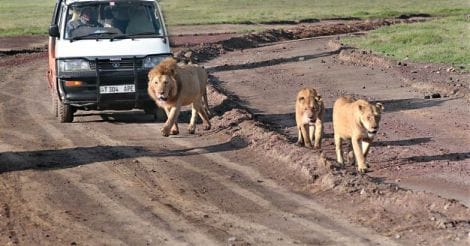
x=183, y=12
x=21, y=17
x=444, y=40
x=33, y=16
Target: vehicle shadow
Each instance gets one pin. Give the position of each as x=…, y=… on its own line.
x=123, y=117
x=66, y=158
x=115, y=117
x=71, y=157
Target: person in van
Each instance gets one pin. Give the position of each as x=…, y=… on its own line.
x=87, y=17
x=120, y=17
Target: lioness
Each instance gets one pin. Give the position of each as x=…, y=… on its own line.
x=309, y=110
x=172, y=85
x=357, y=120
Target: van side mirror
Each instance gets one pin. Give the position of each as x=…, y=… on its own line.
x=54, y=31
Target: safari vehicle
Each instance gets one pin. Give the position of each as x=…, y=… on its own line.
x=100, y=52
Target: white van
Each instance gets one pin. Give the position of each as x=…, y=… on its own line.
x=100, y=52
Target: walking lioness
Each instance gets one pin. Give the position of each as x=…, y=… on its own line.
x=357, y=120
x=309, y=110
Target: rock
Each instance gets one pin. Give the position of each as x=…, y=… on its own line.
x=436, y=95
x=188, y=54
x=441, y=225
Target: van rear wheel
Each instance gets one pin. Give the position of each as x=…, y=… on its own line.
x=65, y=112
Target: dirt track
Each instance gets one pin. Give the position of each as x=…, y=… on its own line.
x=111, y=178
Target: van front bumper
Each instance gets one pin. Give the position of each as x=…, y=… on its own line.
x=86, y=93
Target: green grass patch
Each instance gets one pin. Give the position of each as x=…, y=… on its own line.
x=183, y=12
x=23, y=17
x=444, y=40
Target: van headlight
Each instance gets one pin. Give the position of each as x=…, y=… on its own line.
x=74, y=65
x=152, y=61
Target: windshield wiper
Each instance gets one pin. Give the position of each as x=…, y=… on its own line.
x=119, y=36
x=93, y=34
x=145, y=34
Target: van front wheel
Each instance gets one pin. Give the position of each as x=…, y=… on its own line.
x=64, y=112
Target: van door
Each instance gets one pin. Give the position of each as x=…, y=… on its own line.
x=54, y=30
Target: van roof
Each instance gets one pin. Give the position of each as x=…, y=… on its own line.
x=83, y=1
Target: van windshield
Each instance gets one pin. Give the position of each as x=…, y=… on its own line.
x=112, y=20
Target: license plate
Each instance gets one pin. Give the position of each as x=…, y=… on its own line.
x=109, y=89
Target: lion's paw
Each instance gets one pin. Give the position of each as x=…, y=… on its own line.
x=362, y=169
x=192, y=130
x=165, y=131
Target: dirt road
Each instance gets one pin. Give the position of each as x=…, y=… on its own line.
x=113, y=179
x=110, y=178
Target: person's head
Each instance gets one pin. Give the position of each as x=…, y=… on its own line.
x=120, y=12
x=87, y=15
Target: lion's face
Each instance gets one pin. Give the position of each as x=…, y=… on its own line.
x=163, y=86
x=370, y=117
x=310, y=106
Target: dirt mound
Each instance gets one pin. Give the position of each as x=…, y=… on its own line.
x=18, y=59
x=206, y=51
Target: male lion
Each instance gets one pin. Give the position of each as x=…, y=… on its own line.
x=357, y=120
x=172, y=85
x=309, y=110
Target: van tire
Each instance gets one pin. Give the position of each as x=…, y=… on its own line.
x=64, y=112
x=156, y=112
